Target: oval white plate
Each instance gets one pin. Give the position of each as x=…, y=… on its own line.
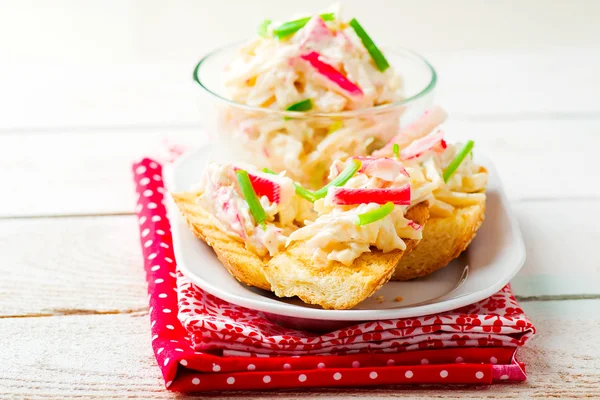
x=493, y=258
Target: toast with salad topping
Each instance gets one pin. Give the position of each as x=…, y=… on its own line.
x=402, y=213
x=457, y=204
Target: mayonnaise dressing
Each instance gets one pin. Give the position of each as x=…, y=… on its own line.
x=222, y=197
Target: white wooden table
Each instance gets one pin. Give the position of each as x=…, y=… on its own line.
x=78, y=108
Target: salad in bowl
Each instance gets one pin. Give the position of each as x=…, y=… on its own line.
x=304, y=92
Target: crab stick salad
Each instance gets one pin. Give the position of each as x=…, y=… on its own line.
x=448, y=174
x=312, y=65
x=362, y=207
x=364, y=204
x=258, y=208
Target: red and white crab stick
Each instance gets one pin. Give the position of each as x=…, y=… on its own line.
x=350, y=196
x=417, y=129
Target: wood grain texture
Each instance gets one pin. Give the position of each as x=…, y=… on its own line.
x=74, y=172
x=55, y=266
x=75, y=265
x=138, y=91
x=109, y=356
x=89, y=172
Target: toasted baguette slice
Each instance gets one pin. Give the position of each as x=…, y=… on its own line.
x=443, y=240
x=245, y=265
x=336, y=286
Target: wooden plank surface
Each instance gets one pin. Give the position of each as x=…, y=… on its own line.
x=148, y=94
x=94, y=264
x=73, y=172
x=110, y=356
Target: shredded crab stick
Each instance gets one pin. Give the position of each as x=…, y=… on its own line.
x=342, y=196
x=348, y=172
x=455, y=163
x=426, y=123
x=256, y=209
x=375, y=215
x=264, y=187
x=430, y=142
x=332, y=74
x=384, y=168
x=222, y=199
x=415, y=226
x=300, y=191
x=316, y=31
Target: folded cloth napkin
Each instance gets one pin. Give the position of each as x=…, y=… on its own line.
x=203, y=343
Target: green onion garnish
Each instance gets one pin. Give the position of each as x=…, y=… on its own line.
x=256, y=209
x=300, y=191
x=396, y=150
x=373, y=50
x=289, y=28
x=264, y=27
x=375, y=215
x=303, y=105
x=458, y=159
x=341, y=179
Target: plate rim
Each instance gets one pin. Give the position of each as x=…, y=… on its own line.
x=291, y=310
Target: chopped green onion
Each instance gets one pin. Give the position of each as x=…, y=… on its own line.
x=396, y=150
x=289, y=28
x=256, y=209
x=373, y=50
x=348, y=172
x=458, y=159
x=303, y=105
x=375, y=215
x=300, y=191
x=264, y=27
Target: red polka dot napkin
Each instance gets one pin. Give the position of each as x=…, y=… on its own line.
x=203, y=343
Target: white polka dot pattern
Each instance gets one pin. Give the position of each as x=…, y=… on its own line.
x=479, y=375
x=444, y=373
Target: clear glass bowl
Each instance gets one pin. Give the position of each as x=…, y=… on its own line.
x=305, y=144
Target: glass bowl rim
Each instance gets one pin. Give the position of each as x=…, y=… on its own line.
x=341, y=114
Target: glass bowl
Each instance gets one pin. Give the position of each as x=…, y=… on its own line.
x=305, y=144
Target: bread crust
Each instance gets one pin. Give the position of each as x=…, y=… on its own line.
x=443, y=240
x=335, y=285
x=292, y=273
x=245, y=265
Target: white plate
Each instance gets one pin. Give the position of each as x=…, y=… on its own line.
x=493, y=258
